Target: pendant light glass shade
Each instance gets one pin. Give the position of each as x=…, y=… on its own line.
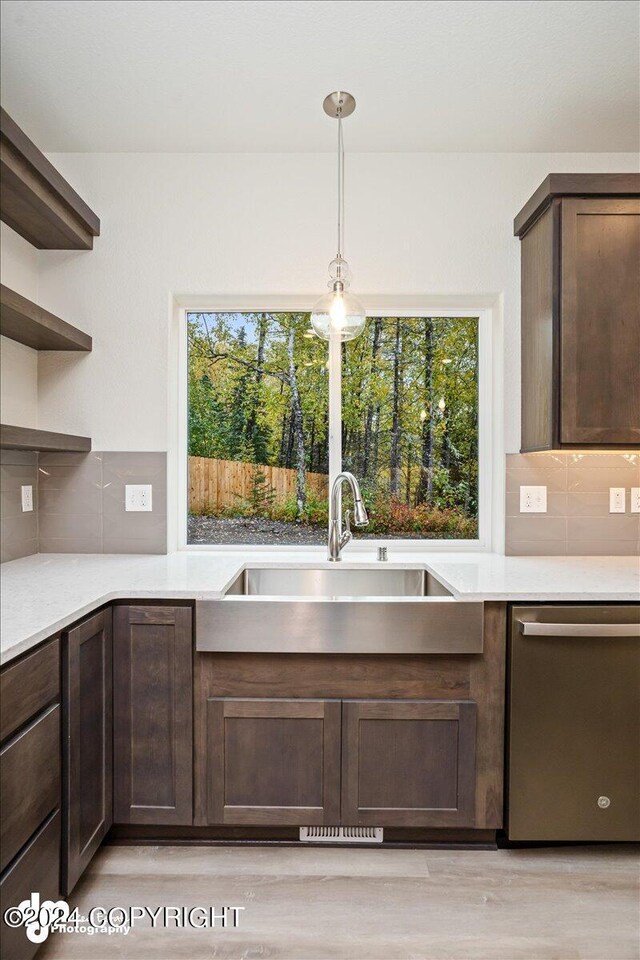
x=338, y=315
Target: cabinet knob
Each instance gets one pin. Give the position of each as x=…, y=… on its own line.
x=604, y=802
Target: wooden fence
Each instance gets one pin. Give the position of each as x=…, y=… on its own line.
x=215, y=484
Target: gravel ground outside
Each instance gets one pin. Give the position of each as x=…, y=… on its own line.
x=252, y=530
x=255, y=530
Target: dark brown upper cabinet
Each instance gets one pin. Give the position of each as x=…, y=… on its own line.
x=35, y=200
x=152, y=715
x=88, y=743
x=580, y=323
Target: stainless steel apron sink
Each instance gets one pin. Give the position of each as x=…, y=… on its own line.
x=338, y=610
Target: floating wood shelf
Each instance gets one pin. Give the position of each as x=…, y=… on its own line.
x=26, y=322
x=25, y=438
x=36, y=201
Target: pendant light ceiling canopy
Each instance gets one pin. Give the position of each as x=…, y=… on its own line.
x=338, y=315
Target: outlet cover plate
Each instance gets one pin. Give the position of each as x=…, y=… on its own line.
x=26, y=494
x=137, y=497
x=617, y=500
x=533, y=499
x=635, y=499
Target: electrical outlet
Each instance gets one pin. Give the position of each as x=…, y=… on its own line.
x=635, y=499
x=617, y=499
x=27, y=498
x=137, y=497
x=533, y=499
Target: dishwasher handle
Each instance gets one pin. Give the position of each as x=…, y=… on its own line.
x=537, y=629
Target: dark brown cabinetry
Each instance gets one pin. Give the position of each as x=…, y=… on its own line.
x=408, y=763
x=404, y=763
x=29, y=787
x=152, y=703
x=88, y=743
x=273, y=761
x=580, y=246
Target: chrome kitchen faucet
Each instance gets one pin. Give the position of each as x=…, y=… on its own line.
x=337, y=537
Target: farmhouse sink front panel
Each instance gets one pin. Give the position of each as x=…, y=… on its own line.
x=342, y=610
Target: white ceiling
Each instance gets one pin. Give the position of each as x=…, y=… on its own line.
x=192, y=75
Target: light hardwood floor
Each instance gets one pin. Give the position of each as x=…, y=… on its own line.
x=362, y=904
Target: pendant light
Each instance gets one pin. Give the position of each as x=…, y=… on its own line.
x=338, y=315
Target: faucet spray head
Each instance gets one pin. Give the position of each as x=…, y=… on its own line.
x=360, y=515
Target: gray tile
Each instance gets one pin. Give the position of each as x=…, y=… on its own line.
x=62, y=459
x=554, y=479
x=72, y=500
x=615, y=527
x=536, y=461
x=583, y=504
x=11, y=457
x=599, y=479
x=121, y=545
x=604, y=461
x=80, y=526
x=23, y=526
x=85, y=469
x=65, y=545
x=15, y=549
x=536, y=526
x=603, y=548
x=536, y=548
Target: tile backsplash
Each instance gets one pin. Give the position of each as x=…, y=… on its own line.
x=80, y=500
x=577, y=521
x=19, y=531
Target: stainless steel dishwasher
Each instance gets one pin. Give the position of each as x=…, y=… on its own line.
x=574, y=723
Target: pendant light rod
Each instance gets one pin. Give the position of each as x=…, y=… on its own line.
x=340, y=188
x=339, y=105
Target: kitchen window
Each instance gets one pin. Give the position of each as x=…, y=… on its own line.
x=262, y=443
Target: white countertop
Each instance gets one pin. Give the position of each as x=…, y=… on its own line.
x=44, y=593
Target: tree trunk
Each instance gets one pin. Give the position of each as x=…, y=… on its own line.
x=425, y=486
x=375, y=346
x=394, y=485
x=252, y=420
x=298, y=429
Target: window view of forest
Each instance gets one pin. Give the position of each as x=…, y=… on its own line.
x=258, y=427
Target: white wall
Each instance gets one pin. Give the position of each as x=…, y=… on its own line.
x=264, y=224
x=18, y=364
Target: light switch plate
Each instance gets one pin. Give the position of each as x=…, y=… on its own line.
x=617, y=499
x=533, y=499
x=635, y=499
x=137, y=497
x=26, y=492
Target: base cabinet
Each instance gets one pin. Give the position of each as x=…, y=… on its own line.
x=152, y=704
x=353, y=762
x=273, y=761
x=88, y=743
x=35, y=870
x=408, y=764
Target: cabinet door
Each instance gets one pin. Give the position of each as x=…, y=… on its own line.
x=273, y=761
x=88, y=743
x=153, y=696
x=408, y=763
x=600, y=322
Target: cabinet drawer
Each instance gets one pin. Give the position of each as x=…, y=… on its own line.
x=29, y=782
x=35, y=871
x=28, y=686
